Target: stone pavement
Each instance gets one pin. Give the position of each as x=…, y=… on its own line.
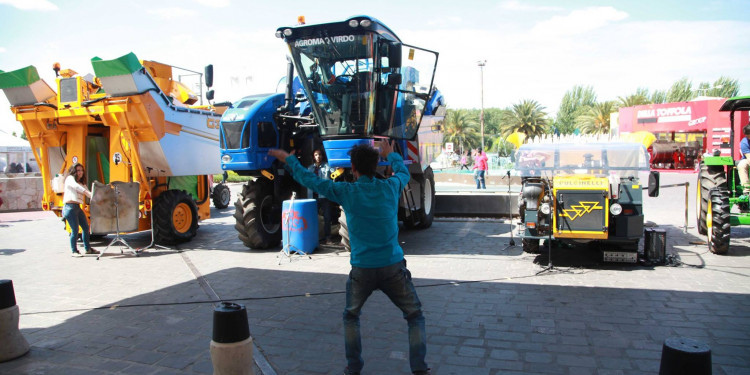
x=487, y=311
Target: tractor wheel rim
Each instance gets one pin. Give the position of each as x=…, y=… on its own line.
x=266, y=215
x=427, y=196
x=709, y=222
x=698, y=200
x=182, y=217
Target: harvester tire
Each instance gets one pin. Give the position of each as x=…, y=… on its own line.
x=530, y=245
x=426, y=213
x=257, y=221
x=175, y=217
x=221, y=196
x=719, y=227
x=709, y=177
x=344, y=231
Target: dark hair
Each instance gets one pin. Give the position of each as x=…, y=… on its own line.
x=72, y=172
x=322, y=153
x=746, y=129
x=364, y=159
x=479, y=150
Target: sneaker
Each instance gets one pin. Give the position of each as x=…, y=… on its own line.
x=422, y=372
x=350, y=372
x=77, y=254
x=92, y=251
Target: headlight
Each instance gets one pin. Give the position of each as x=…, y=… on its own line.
x=353, y=23
x=545, y=208
x=365, y=23
x=287, y=32
x=226, y=158
x=615, y=209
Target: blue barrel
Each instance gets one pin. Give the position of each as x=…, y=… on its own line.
x=299, y=225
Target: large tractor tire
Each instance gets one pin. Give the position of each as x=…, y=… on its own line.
x=221, y=196
x=426, y=213
x=344, y=231
x=424, y=216
x=258, y=222
x=530, y=246
x=709, y=177
x=175, y=217
x=718, y=226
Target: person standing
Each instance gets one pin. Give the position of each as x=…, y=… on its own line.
x=73, y=196
x=321, y=169
x=464, y=161
x=744, y=164
x=480, y=164
x=377, y=259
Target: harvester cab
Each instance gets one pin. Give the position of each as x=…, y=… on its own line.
x=720, y=201
x=361, y=80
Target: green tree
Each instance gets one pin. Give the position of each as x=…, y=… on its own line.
x=502, y=147
x=681, y=91
x=596, y=120
x=492, y=119
x=460, y=128
x=724, y=87
x=640, y=97
x=575, y=102
x=527, y=117
x=658, y=97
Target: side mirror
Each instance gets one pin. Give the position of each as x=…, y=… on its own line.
x=394, y=56
x=653, y=184
x=210, y=95
x=209, y=75
x=394, y=79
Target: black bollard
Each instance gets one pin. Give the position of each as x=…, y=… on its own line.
x=685, y=356
x=231, y=347
x=12, y=342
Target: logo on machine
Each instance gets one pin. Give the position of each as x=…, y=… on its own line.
x=292, y=221
x=326, y=40
x=578, y=210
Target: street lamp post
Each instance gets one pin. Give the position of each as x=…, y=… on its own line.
x=481, y=64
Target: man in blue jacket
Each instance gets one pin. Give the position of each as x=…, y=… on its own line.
x=377, y=260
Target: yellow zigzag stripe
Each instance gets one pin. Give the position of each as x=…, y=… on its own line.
x=580, y=209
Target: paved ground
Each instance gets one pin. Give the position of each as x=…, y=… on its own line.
x=487, y=311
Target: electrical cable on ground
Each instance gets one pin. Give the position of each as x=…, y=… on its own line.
x=672, y=261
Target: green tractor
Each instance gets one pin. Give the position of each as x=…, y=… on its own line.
x=720, y=200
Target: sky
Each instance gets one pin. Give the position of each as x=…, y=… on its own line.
x=533, y=49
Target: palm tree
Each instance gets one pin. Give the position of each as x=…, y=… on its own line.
x=460, y=128
x=527, y=117
x=658, y=97
x=681, y=91
x=575, y=102
x=640, y=97
x=596, y=120
x=723, y=87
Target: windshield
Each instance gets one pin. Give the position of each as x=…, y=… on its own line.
x=597, y=159
x=338, y=74
x=349, y=81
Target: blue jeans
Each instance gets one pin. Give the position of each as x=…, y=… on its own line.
x=395, y=282
x=479, y=177
x=73, y=213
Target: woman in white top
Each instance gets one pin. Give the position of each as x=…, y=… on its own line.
x=73, y=196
